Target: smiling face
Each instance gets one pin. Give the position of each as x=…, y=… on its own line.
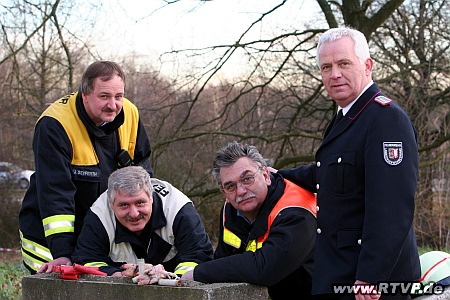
x=343, y=75
x=133, y=212
x=105, y=101
x=246, y=198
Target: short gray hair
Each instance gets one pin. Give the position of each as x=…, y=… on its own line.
x=229, y=154
x=361, y=46
x=129, y=181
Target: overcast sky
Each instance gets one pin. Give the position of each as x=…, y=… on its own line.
x=194, y=23
x=147, y=28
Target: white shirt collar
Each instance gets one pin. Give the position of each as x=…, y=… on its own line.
x=347, y=108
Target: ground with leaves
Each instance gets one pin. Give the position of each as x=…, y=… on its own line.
x=11, y=273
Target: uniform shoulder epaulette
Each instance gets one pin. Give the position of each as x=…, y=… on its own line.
x=383, y=100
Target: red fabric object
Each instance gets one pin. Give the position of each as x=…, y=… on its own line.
x=73, y=272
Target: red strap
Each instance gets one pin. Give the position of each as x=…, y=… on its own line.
x=431, y=268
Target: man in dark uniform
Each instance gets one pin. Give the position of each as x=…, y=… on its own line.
x=365, y=177
x=78, y=142
x=267, y=227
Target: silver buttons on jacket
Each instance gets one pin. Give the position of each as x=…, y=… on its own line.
x=359, y=242
x=319, y=231
x=317, y=185
x=339, y=160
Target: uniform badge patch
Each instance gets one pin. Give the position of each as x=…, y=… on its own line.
x=393, y=153
x=385, y=101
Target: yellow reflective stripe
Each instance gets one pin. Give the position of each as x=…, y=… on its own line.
x=253, y=245
x=58, y=224
x=259, y=245
x=31, y=262
x=185, y=267
x=96, y=264
x=231, y=239
x=36, y=249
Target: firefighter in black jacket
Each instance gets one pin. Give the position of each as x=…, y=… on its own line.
x=78, y=142
x=267, y=230
x=137, y=218
x=365, y=176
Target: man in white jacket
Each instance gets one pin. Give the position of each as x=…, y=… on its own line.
x=142, y=217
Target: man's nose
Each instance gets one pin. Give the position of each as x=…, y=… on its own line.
x=134, y=211
x=241, y=189
x=335, y=72
x=111, y=104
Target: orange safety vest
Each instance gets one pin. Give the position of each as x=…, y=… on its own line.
x=293, y=196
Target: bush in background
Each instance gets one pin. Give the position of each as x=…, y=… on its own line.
x=10, y=202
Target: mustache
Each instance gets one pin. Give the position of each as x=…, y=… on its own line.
x=140, y=217
x=245, y=197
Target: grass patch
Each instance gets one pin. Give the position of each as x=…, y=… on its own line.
x=10, y=280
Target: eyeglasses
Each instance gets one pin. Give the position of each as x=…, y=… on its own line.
x=246, y=181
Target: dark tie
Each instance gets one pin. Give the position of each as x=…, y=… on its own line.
x=338, y=118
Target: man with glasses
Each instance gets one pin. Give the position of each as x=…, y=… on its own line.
x=267, y=230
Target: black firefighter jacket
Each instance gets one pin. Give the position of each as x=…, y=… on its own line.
x=365, y=176
x=59, y=187
x=284, y=263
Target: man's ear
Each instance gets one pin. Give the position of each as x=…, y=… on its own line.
x=368, y=66
x=266, y=174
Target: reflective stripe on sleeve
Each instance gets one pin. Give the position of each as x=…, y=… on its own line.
x=36, y=249
x=31, y=262
x=184, y=267
x=96, y=264
x=58, y=224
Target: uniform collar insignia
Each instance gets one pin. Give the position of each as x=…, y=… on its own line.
x=383, y=100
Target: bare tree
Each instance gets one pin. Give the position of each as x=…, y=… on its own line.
x=277, y=104
x=280, y=104
x=280, y=92
x=38, y=62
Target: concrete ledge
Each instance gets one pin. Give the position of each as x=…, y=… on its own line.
x=51, y=287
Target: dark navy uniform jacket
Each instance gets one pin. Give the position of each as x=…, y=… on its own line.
x=365, y=177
